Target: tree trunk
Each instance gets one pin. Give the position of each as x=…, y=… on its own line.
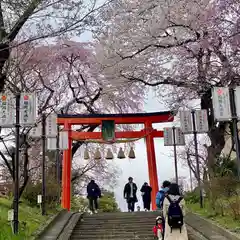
x=4, y=55
x=216, y=133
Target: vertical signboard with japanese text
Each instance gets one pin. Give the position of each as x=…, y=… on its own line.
x=179, y=137
x=186, y=122
x=168, y=136
x=201, y=119
x=7, y=110
x=51, y=125
x=221, y=103
x=28, y=109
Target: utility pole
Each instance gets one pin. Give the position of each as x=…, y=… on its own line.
x=197, y=158
x=58, y=163
x=175, y=154
x=43, y=164
x=16, y=173
x=235, y=127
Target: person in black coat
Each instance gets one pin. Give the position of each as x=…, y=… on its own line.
x=130, y=194
x=93, y=193
x=146, y=196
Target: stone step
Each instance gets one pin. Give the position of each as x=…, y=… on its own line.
x=96, y=216
x=110, y=238
x=117, y=226
x=89, y=227
x=125, y=213
x=114, y=236
x=117, y=221
x=113, y=231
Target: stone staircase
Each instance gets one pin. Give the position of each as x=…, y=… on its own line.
x=117, y=226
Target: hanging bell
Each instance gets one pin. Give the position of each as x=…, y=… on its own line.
x=121, y=154
x=109, y=155
x=131, y=153
x=97, y=155
x=86, y=154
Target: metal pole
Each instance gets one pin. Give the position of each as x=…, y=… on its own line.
x=235, y=127
x=43, y=163
x=197, y=158
x=175, y=155
x=16, y=175
x=190, y=171
x=58, y=165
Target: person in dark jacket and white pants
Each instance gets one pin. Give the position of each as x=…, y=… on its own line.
x=93, y=193
x=130, y=194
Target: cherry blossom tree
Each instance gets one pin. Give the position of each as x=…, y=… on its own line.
x=66, y=79
x=38, y=20
x=180, y=48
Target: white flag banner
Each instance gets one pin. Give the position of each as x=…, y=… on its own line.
x=179, y=137
x=36, y=132
x=51, y=125
x=7, y=110
x=221, y=103
x=51, y=144
x=201, y=119
x=168, y=136
x=237, y=101
x=39, y=199
x=28, y=109
x=63, y=140
x=186, y=122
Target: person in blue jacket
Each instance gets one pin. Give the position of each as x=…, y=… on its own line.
x=161, y=194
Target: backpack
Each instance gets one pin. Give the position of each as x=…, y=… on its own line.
x=175, y=214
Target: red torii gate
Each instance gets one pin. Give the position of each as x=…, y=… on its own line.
x=96, y=119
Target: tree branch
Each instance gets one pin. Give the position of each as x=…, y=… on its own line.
x=167, y=81
x=167, y=46
x=7, y=164
x=22, y=20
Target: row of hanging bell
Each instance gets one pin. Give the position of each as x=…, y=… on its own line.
x=109, y=155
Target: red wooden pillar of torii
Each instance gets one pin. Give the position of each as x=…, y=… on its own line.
x=67, y=171
x=152, y=165
x=140, y=118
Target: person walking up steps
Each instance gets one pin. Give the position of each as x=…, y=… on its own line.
x=93, y=193
x=174, y=213
x=161, y=194
x=130, y=194
x=146, y=196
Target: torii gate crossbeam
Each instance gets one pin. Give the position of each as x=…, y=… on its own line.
x=96, y=119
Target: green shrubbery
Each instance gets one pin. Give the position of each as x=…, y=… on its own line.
x=191, y=197
x=34, y=189
x=107, y=203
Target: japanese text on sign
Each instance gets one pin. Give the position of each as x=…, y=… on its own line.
x=201, y=119
x=51, y=125
x=186, y=121
x=28, y=109
x=221, y=103
x=179, y=137
x=7, y=110
x=168, y=137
